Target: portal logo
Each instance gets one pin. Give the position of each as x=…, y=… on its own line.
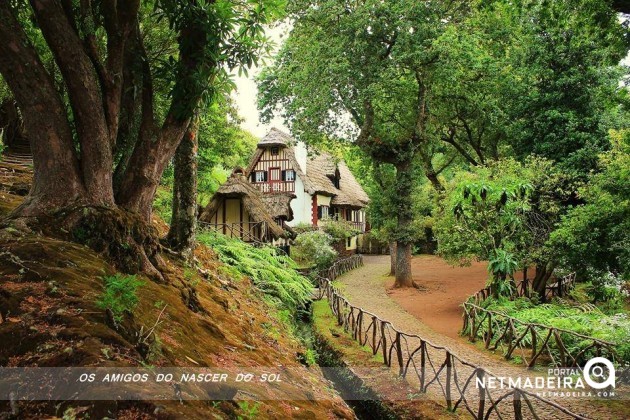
x=594, y=369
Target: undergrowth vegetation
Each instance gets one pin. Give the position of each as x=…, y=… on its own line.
x=582, y=318
x=271, y=271
x=120, y=294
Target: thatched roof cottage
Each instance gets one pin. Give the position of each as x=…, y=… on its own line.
x=283, y=184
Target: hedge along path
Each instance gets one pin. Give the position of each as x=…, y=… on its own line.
x=444, y=368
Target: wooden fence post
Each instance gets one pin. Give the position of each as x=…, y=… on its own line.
x=423, y=364
x=516, y=401
x=489, y=333
x=449, y=371
x=482, y=395
x=399, y=354
x=374, y=326
x=473, y=319
x=533, y=331
x=339, y=314
x=384, y=341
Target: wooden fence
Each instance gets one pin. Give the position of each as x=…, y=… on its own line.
x=559, y=288
x=435, y=369
x=342, y=266
x=530, y=341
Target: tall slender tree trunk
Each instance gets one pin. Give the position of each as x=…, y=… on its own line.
x=392, y=258
x=181, y=235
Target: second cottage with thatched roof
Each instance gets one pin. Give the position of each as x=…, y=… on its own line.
x=283, y=187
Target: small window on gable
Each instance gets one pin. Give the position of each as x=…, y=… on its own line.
x=275, y=151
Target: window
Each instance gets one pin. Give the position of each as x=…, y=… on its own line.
x=322, y=212
x=349, y=242
x=260, y=176
x=274, y=174
x=274, y=151
x=288, y=175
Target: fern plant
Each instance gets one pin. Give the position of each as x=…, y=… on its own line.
x=120, y=294
x=272, y=272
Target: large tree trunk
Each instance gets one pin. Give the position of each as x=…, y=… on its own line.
x=392, y=258
x=85, y=95
x=153, y=152
x=181, y=235
x=404, y=204
x=404, y=276
x=75, y=184
x=57, y=182
x=543, y=273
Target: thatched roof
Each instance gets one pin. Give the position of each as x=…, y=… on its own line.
x=321, y=171
x=278, y=204
x=276, y=137
x=237, y=186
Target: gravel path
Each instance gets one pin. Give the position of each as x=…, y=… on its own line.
x=366, y=287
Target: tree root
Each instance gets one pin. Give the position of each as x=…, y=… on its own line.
x=124, y=238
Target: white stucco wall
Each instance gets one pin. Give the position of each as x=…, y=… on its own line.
x=301, y=155
x=301, y=205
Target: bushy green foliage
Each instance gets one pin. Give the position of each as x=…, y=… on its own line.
x=594, y=239
x=120, y=294
x=272, y=272
x=314, y=249
x=339, y=229
x=583, y=319
x=484, y=217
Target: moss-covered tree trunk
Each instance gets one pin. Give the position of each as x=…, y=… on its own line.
x=181, y=235
x=404, y=235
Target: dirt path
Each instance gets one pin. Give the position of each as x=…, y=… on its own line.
x=434, y=315
x=368, y=287
x=443, y=288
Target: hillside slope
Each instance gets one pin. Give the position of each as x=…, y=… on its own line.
x=49, y=317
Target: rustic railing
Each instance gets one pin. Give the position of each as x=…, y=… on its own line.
x=436, y=369
x=531, y=341
x=561, y=287
x=342, y=266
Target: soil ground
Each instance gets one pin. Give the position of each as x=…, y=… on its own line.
x=442, y=289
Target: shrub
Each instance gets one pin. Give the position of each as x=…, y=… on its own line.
x=272, y=272
x=314, y=249
x=339, y=229
x=581, y=318
x=120, y=294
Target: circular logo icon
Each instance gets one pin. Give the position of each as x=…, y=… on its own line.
x=598, y=376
